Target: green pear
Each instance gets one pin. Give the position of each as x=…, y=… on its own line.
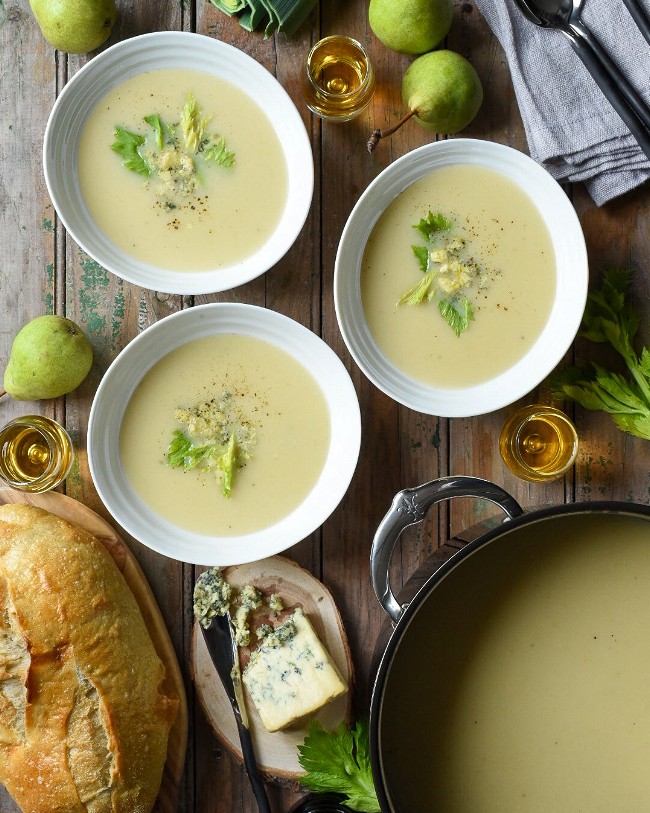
x=443, y=90
x=75, y=26
x=410, y=26
x=50, y=356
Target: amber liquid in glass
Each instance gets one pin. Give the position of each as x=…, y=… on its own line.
x=539, y=443
x=339, y=81
x=35, y=453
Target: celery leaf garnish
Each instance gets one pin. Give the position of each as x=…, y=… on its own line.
x=126, y=145
x=193, y=124
x=418, y=293
x=156, y=122
x=226, y=464
x=431, y=224
x=184, y=453
x=458, y=313
x=216, y=150
x=423, y=257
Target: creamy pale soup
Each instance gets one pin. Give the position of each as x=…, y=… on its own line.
x=521, y=686
x=506, y=266
x=272, y=394
x=225, y=219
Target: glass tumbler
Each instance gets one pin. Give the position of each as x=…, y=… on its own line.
x=539, y=443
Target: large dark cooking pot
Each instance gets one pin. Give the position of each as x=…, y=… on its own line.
x=517, y=679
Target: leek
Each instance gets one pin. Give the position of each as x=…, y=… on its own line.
x=271, y=15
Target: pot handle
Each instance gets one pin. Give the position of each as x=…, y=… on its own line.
x=409, y=507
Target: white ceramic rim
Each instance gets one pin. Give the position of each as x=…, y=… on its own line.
x=126, y=372
x=566, y=312
x=174, y=49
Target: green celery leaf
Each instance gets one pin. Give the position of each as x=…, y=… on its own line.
x=610, y=318
x=423, y=256
x=638, y=425
x=617, y=393
x=178, y=449
x=226, y=464
x=607, y=315
x=418, y=293
x=183, y=452
x=126, y=146
x=599, y=390
x=217, y=151
x=156, y=122
x=431, y=224
x=193, y=124
x=339, y=761
x=644, y=363
x=458, y=313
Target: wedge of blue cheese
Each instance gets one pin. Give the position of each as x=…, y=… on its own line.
x=291, y=674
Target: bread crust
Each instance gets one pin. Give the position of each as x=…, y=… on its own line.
x=84, y=716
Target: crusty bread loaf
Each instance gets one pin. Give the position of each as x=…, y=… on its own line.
x=84, y=720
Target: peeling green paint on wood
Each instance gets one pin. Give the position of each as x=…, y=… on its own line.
x=49, y=291
x=94, y=284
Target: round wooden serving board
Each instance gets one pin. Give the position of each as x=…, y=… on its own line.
x=277, y=753
x=77, y=513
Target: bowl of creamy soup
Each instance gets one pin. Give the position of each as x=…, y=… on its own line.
x=460, y=278
x=179, y=163
x=515, y=677
x=223, y=434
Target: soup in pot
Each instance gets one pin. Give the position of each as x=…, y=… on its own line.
x=521, y=683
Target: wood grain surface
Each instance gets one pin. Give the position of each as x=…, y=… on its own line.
x=42, y=270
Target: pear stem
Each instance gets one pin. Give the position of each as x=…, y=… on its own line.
x=3, y=392
x=379, y=134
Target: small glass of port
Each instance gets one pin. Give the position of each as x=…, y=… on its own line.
x=539, y=443
x=338, y=80
x=36, y=453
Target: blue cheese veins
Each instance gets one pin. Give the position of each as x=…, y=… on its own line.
x=291, y=674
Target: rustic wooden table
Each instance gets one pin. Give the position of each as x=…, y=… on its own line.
x=43, y=271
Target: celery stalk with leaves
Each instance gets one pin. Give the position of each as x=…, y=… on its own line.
x=610, y=318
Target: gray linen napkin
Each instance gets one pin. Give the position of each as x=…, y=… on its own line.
x=571, y=128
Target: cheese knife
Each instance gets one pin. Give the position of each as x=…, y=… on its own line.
x=222, y=648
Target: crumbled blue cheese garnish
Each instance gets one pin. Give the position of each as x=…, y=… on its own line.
x=217, y=419
x=212, y=595
x=275, y=603
x=249, y=599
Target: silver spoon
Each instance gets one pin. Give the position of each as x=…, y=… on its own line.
x=564, y=16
